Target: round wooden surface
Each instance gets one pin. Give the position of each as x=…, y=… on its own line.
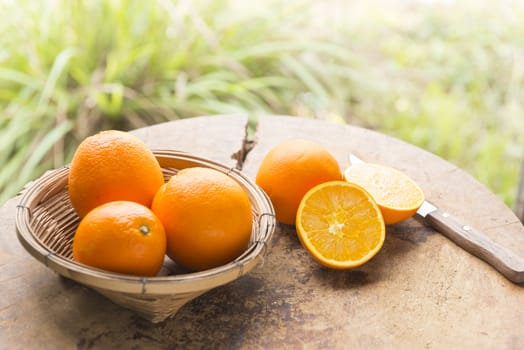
x=420, y=292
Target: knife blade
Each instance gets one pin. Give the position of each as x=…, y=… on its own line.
x=468, y=238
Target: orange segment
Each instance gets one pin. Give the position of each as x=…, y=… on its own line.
x=340, y=225
x=396, y=194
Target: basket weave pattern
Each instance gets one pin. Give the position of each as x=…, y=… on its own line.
x=46, y=223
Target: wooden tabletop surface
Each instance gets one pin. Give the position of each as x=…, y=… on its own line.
x=420, y=292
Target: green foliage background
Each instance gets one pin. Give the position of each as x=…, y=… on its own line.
x=447, y=77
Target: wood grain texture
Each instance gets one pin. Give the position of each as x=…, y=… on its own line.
x=215, y=138
x=420, y=292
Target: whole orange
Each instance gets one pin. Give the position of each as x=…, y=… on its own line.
x=123, y=237
x=207, y=217
x=292, y=168
x=112, y=165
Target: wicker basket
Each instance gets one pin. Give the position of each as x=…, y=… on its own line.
x=46, y=223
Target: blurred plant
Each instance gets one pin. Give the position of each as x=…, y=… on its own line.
x=70, y=68
x=450, y=79
x=446, y=78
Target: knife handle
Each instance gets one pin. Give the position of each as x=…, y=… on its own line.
x=479, y=244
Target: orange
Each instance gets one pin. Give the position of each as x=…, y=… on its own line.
x=207, y=217
x=396, y=194
x=292, y=168
x=112, y=165
x=123, y=237
x=340, y=225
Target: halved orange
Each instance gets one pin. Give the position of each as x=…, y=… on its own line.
x=396, y=194
x=340, y=225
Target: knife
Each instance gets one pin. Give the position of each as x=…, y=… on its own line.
x=470, y=239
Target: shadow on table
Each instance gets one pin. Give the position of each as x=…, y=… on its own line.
x=276, y=303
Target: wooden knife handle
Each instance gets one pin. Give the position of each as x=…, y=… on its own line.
x=478, y=244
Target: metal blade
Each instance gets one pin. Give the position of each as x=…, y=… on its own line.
x=426, y=208
x=353, y=159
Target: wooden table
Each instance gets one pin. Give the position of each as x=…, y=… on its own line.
x=420, y=292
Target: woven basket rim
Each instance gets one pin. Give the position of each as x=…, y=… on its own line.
x=55, y=180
